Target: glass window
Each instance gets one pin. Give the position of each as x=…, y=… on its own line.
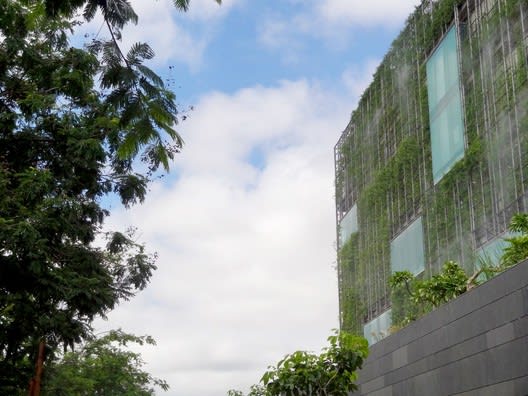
x=378, y=328
x=407, y=249
x=348, y=225
x=492, y=251
x=445, y=106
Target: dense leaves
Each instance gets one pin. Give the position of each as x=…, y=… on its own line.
x=517, y=249
x=333, y=372
x=412, y=297
x=102, y=366
x=442, y=287
x=449, y=283
x=75, y=123
x=424, y=295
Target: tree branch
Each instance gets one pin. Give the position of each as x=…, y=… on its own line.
x=115, y=42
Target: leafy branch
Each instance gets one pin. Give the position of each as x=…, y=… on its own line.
x=333, y=372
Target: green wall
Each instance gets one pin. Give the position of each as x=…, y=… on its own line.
x=385, y=163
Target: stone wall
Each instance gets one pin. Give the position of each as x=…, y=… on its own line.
x=476, y=344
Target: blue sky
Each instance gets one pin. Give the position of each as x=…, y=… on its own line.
x=244, y=224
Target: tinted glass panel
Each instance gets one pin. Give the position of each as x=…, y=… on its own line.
x=407, y=249
x=378, y=328
x=445, y=106
x=348, y=225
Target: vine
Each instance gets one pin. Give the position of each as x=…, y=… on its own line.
x=412, y=297
x=385, y=155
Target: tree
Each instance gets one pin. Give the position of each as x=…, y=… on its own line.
x=102, y=366
x=333, y=372
x=75, y=124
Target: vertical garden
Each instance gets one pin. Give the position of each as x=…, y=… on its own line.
x=385, y=158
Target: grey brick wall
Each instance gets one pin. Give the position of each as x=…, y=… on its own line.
x=476, y=344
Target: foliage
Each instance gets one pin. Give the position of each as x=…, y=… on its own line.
x=517, y=250
x=351, y=307
x=427, y=294
x=405, y=307
x=183, y=5
x=75, y=124
x=254, y=390
x=440, y=288
x=102, y=366
x=333, y=372
x=384, y=157
x=487, y=267
x=413, y=297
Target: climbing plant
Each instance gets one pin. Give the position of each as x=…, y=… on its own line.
x=413, y=296
x=384, y=160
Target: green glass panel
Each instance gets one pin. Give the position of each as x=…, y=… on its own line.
x=348, y=225
x=492, y=252
x=378, y=328
x=407, y=249
x=445, y=106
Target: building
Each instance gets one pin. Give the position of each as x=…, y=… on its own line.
x=434, y=160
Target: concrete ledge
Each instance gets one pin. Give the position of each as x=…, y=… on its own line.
x=476, y=344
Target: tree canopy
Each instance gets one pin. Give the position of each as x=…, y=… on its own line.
x=332, y=372
x=76, y=124
x=102, y=366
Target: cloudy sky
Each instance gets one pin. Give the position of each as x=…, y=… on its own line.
x=244, y=224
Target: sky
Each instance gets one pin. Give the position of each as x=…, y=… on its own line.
x=244, y=224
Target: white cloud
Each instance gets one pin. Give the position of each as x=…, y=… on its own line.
x=160, y=27
x=366, y=13
x=287, y=35
x=331, y=21
x=207, y=10
x=357, y=78
x=168, y=39
x=246, y=252
x=273, y=32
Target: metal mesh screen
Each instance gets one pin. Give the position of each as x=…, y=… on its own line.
x=385, y=158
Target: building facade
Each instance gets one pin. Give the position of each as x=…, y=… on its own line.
x=434, y=161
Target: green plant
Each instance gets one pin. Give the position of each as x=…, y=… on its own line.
x=385, y=158
x=451, y=282
x=424, y=295
x=487, y=266
x=517, y=250
x=302, y=373
x=76, y=125
x=102, y=366
x=351, y=303
x=405, y=307
x=254, y=390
